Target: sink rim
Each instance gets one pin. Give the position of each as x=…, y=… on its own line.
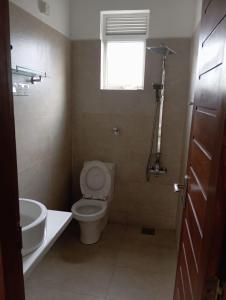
x=41, y=217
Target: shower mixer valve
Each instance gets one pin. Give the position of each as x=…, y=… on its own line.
x=158, y=90
x=156, y=168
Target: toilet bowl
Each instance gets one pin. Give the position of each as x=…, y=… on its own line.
x=89, y=214
x=96, y=182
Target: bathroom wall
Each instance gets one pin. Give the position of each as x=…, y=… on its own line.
x=174, y=18
x=58, y=18
x=96, y=112
x=42, y=119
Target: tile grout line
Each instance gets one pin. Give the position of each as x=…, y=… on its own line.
x=115, y=266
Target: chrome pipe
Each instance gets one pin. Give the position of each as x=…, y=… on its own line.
x=156, y=169
x=159, y=137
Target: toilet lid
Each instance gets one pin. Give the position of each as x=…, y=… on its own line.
x=95, y=180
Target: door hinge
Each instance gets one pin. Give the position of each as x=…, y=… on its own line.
x=214, y=289
x=219, y=290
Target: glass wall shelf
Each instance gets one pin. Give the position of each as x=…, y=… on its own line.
x=34, y=76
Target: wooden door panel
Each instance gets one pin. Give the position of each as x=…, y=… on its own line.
x=197, y=201
x=178, y=295
x=201, y=210
x=2, y=283
x=224, y=160
x=204, y=119
x=190, y=261
x=187, y=267
x=192, y=257
x=180, y=286
x=201, y=165
x=11, y=268
x=208, y=83
x=183, y=289
x=205, y=5
x=213, y=12
x=196, y=231
x=212, y=49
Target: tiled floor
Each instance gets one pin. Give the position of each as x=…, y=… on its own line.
x=124, y=265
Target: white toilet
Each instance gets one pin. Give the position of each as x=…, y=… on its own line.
x=97, y=185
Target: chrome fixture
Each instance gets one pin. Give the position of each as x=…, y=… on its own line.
x=178, y=187
x=154, y=160
x=116, y=131
x=162, y=50
x=35, y=76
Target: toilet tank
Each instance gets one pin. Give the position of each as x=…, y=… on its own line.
x=111, y=168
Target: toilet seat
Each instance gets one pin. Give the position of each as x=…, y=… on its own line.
x=89, y=210
x=95, y=180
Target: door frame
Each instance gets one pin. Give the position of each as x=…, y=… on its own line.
x=11, y=268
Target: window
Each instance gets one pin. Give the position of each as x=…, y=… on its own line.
x=123, y=36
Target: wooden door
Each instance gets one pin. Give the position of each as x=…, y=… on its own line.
x=11, y=274
x=204, y=212
x=2, y=283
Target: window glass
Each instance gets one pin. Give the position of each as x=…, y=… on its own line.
x=123, y=65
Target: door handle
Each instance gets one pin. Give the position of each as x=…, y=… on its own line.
x=178, y=187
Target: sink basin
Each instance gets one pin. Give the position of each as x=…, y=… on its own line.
x=33, y=223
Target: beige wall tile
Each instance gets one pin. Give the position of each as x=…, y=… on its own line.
x=96, y=112
x=43, y=119
x=43, y=123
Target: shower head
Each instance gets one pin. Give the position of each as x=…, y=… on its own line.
x=162, y=50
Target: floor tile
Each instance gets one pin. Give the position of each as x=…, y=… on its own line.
x=123, y=265
x=85, y=277
x=130, y=284
x=57, y=294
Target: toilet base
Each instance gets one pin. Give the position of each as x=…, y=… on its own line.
x=90, y=232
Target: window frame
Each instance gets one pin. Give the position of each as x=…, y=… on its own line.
x=121, y=38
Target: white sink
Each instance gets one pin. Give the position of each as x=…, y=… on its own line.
x=33, y=222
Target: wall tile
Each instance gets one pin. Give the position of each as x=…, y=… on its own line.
x=95, y=112
x=43, y=119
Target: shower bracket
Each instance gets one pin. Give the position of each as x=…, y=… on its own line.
x=158, y=91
